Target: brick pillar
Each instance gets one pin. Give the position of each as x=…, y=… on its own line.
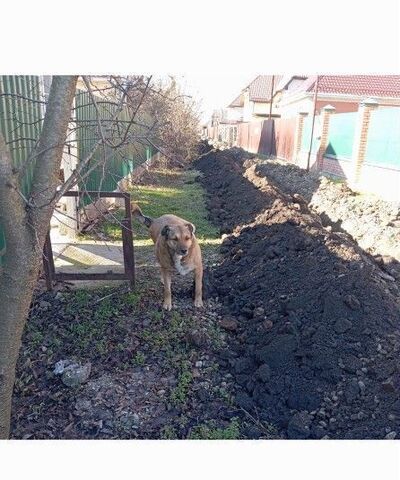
x=298, y=134
x=326, y=113
x=360, y=137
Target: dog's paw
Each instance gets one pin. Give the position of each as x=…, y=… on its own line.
x=198, y=303
x=167, y=306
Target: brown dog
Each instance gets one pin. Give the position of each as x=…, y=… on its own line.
x=177, y=250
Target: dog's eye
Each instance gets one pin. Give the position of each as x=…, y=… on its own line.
x=187, y=238
x=175, y=239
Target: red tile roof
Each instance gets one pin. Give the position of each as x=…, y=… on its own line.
x=365, y=85
x=238, y=102
x=260, y=88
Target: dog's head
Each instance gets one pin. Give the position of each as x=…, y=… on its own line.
x=179, y=238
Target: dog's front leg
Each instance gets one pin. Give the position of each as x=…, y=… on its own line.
x=198, y=281
x=166, y=276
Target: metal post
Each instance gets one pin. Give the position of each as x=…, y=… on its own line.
x=271, y=137
x=313, y=121
x=127, y=242
x=272, y=96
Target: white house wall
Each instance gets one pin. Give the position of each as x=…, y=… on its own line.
x=292, y=109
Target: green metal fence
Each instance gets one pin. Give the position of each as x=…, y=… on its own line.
x=342, y=128
x=112, y=164
x=20, y=125
x=21, y=115
x=383, y=144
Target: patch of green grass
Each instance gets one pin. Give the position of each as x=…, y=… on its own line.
x=101, y=347
x=180, y=392
x=139, y=359
x=224, y=394
x=168, y=432
x=132, y=298
x=112, y=227
x=157, y=316
x=36, y=338
x=166, y=337
x=209, y=431
x=173, y=192
x=105, y=310
x=91, y=315
x=78, y=300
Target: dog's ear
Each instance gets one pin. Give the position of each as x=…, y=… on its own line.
x=165, y=231
x=191, y=228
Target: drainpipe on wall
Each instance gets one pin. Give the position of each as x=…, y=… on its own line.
x=313, y=122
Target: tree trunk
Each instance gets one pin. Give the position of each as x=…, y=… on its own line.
x=15, y=299
x=26, y=226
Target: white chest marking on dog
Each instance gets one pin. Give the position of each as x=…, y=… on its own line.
x=183, y=269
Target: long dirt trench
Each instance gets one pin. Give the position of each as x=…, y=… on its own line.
x=316, y=349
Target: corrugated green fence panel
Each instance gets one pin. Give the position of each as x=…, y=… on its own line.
x=383, y=144
x=20, y=119
x=342, y=127
x=20, y=125
x=112, y=164
x=306, y=134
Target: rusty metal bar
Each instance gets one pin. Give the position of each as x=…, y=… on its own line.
x=271, y=124
x=91, y=276
x=90, y=193
x=127, y=243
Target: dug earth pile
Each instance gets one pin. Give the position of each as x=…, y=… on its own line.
x=372, y=222
x=315, y=346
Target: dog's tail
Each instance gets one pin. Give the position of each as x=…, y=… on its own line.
x=137, y=213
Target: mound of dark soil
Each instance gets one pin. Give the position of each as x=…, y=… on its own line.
x=318, y=338
x=233, y=202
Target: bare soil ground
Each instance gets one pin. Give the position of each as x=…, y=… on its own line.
x=372, y=222
x=153, y=374
x=300, y=337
